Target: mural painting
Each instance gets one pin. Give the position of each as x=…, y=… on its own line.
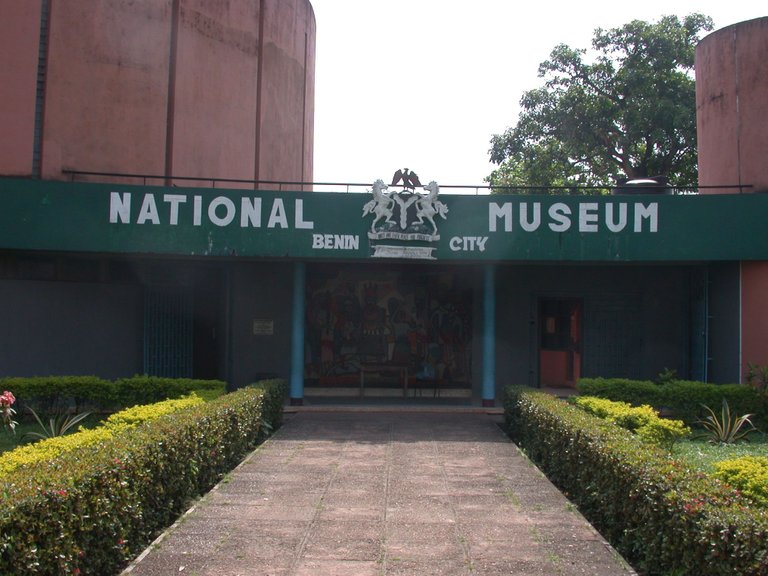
x=397, y=317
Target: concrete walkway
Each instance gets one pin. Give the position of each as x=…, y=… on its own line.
x=383, y=493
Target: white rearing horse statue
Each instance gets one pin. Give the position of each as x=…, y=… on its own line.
x=429, y=206
x=381, y=205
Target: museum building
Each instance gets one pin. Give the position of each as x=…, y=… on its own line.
x=158, y=217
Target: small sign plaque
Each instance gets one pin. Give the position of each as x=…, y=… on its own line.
x=263, y=327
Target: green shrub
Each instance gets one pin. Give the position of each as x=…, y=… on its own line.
x=88, y=511
x=140, y=390
x=659, y=515
x=642, y=420
x=51, y=394
x=683, y=398
x=635, y=392
x=688, y=398
x=749, y=474
x=757, y=377
x=277, y=390
x=57, y=394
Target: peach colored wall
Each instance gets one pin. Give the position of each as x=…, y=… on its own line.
x=732, y=112
x=106, y=90
x=166, y=87
x=222, y=142
x=754, y=322
x=287, y=103
x=731, y=104
x=19, y=46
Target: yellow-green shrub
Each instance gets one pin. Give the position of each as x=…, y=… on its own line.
x=642, y=420
x=51, y=448
x=748, y=474
x=663, y=432
x=136, y=415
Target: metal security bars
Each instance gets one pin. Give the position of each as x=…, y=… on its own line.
x=168, y=332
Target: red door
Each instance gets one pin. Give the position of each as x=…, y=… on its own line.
x=559, y=342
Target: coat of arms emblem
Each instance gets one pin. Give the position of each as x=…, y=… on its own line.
x=405, y=215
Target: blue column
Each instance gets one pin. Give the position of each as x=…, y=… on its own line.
x=297, y=335
x=489, y=336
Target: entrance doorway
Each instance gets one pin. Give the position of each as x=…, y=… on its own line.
x=560, y=342
x=395, y=332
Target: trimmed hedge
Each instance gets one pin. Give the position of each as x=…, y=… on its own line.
x=148, y=389
x=91, y=510
x=47, y=394
x=683, y=398
x=659, y=515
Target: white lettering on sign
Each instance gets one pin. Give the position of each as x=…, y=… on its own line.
x=148, y=211
x=119, y=208
x=335, y=242
x=534, y=222
x=467, y=243
x=174, y=200
x=197, y=215
x=229, y=211
x=250, y=212
x=495, y=212
x=650, y=213
x=175, y=210
x=299, y=221
x=589, y=217
x=560, y=213
x=614, y=226
x=277, y=217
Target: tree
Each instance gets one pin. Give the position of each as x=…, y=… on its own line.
x=630, y=113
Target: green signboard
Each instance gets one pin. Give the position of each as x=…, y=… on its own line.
x=381, y=224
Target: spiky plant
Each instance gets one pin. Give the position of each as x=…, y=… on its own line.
x=58, y=425
x=728, y=428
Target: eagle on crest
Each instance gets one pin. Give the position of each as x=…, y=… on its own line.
x=409, y=179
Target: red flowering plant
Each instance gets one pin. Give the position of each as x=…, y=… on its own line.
x=6, y=412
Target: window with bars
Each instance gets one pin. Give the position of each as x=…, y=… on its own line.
x=612, y=337
x=168, y=332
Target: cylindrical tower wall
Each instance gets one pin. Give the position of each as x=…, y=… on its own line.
x=19, y=47
x=732, y=120
x=194, y=88
x=732, y=104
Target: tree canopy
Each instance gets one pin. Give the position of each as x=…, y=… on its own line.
x=628, y=113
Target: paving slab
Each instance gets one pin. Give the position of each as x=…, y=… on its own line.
x=383, y=493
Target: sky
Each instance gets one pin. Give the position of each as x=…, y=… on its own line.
x=425, y=84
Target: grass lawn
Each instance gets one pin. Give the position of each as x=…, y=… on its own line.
x=702, y=456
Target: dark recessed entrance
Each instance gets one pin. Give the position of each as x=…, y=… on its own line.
x=396, y=332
